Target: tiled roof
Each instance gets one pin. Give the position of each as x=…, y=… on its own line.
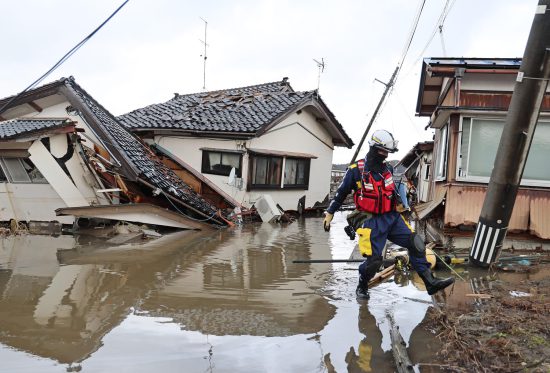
x=140, y=157
x=14, y=128
x=243, y=110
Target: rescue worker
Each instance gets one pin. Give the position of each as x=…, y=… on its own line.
x=376, y=219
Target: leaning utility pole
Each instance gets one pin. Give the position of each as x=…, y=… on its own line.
x=513, y=149
x=388, y=85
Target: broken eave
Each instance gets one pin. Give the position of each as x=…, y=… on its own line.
x=137, y=213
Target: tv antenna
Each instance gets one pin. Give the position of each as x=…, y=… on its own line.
x=204, y=57
x=321, y=67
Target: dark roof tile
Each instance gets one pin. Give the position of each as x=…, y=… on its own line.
x=14, y=128
x=245, y=109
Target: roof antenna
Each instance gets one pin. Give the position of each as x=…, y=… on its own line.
x=204, y=55
x=321, y=67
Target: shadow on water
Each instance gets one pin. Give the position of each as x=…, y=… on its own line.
x=224, y=301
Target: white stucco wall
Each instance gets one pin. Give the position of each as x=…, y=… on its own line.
x=287, y=136
x=26, y=202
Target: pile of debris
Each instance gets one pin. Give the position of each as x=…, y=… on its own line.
x=508, y=330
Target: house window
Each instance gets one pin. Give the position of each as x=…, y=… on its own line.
x=296, y=172
x=426, y=172
x=479, y=144
x=279, y=172
x=21, y=170
x=441, y=160
x=221, y=162
x=266, y=171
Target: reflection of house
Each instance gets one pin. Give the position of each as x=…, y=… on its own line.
x=278, y=141
x=85, y=158
x=249, y=285
x=467, y=101
x=59, y=304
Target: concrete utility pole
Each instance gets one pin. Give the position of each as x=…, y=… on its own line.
x=521, y=121
x=389, y=85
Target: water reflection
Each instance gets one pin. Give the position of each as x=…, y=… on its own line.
x=228, y=300
x=62, y=295
x=249, y=286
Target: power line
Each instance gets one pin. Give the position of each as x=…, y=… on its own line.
x=63, y=59
x=391, y=83
x=438, y=27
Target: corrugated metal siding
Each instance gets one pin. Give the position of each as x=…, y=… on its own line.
x=539, y=214
x=463, y=206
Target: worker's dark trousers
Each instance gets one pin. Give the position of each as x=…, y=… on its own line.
x=372, y=238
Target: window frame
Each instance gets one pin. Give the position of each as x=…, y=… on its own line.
x=442, y=148
x=281, y=184
x=303, y=186
x=210, y=171
x=8, y=174
x=486, y=179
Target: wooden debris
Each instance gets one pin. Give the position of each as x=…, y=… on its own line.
x=382, y=275
x=481, y=296
x=403, y=363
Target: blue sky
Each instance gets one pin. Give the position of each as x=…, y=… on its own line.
x=152, y=49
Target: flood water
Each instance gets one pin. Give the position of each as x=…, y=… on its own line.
x=220, y=301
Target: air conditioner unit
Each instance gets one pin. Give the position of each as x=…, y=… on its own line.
x=267, y=209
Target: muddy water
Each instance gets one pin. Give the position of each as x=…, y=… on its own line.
x=221, y=301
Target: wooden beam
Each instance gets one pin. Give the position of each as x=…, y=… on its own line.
x=432, y=88
x=35, y=106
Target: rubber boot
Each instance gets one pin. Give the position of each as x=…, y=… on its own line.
x=362, y=290
x=434, y=284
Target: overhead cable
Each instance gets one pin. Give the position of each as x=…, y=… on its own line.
x=62, y=60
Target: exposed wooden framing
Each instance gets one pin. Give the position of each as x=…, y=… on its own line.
x=35, y=106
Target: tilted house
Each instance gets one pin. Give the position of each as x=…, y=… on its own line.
x=96, y=167
x=467, y=102
x=277, y=141
x=25, y=193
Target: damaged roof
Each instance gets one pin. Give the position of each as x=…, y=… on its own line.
x=135, y=160
x=437, y=70
x=11, y=129
x=236, y=111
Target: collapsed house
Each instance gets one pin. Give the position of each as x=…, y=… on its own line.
x=63, y=155
x=253, y=141
x=467, y=102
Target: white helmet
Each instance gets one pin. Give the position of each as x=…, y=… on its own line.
x=382, y=139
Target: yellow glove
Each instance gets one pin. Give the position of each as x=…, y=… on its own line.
x=326, y=222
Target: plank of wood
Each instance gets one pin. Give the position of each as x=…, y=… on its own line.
x=382, y=275
x=403, y=363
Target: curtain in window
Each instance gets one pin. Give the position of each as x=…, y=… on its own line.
x=214, y=159
x=480, y=141
x=231, y=160
x=537, y=161
x=291, y=170
x=260, y=171
x=267, y=170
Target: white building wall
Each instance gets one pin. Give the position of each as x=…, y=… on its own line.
x=26, y=202
x=287, y=136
